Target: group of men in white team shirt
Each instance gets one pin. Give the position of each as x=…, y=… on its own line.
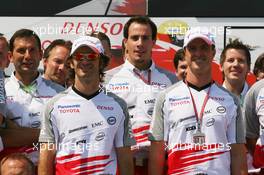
x=137, y=119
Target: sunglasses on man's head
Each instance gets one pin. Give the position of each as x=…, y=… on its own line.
x=89, y=56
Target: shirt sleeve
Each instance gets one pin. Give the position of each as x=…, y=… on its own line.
x=124, y=135
x=260, y=114
x=48, y=127
x=2, y=94
x=236, y=129
x=157, y=130
x=1, y=144
x=250, y=113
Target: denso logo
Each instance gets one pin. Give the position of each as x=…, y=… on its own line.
x=110, y=108
x=69, y=108
x=71, y=27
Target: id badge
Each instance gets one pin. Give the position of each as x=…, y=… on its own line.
x=198, y=137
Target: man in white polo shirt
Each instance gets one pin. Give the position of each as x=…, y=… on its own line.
x=196, y=121
x=26, y=90
x=89, y=128
x=138, y=81
x=254, y=117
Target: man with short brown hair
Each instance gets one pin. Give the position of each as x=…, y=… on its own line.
x=54, y=60
x=26, y=90
x=138, y=81
x=197, y=122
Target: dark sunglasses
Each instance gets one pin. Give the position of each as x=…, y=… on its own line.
x=89, y=56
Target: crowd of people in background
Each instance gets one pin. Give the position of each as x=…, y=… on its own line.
x=81, y=117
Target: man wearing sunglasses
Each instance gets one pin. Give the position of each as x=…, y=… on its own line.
x=86, y=131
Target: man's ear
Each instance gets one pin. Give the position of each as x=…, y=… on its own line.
x=214, y=52
x=213, y=55
x=125, y=42
x=8, y=59
x=45, y=62
x=41, y=54
x=71, y=64
x=10, y=56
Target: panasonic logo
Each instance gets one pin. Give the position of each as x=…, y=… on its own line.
x=68, y=106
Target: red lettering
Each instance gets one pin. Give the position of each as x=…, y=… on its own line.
x=80, y=28
x=69, y=110
x=105, y=108
x=104, y=27
x=116, y=28
x=91, y=28
x=67, y=27
x=180, y=103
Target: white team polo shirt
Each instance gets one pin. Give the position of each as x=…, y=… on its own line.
x=139, y=89
x=174, y=122
x=254, y=116
x=86, y=130
x=25, y=108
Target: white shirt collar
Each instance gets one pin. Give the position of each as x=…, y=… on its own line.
x=19, y=83
x=130, y=66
